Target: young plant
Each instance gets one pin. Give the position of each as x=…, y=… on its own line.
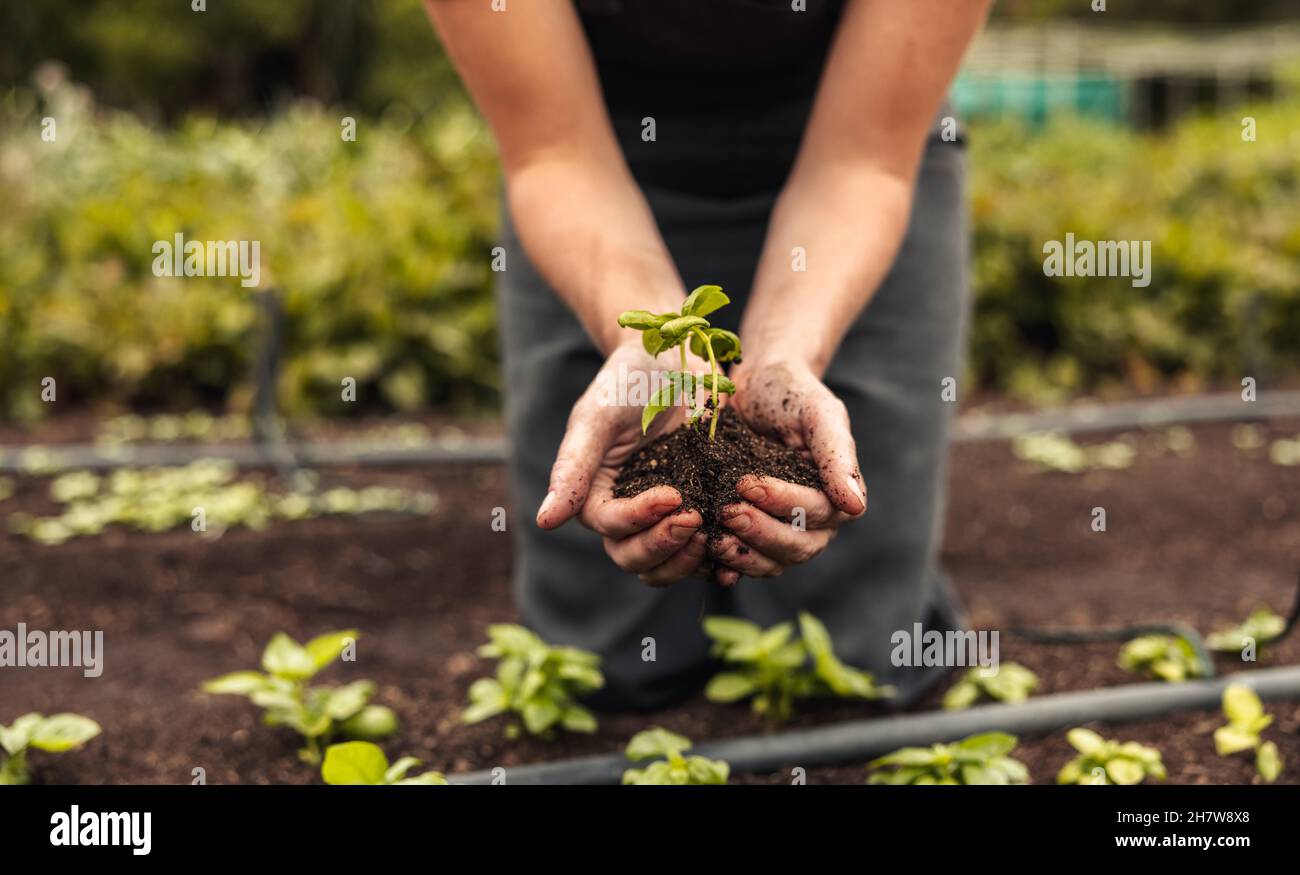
x=674, y=768
x=538, y=682
x=663, y=331
x=978, y=759
x=1261, y=627
x=319, y=714
x=1011, y=683
x=1102, y=761
x=1246, y=720
x=360, y=762
x=775, y=670
x=1164, y=657
x=55, y=734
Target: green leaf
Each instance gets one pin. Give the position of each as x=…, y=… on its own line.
x=907, y=756
x=1085, y=741
x=578, y=719
x=673, y=331
x=730, y=630
x=343, y=702
x=238, y=683
x=1233, y=739
x=704, y=771
x=540, y=715
x=397, y=771
x=371, y=723
x=989, y=744
x=725, y=344
x=652, y=341
x=427, y=779
x=1268, y=762
x=326, y=648
x=1125, y=771
x=663, y=398
x=62, y=732
x=354, y=762
x=656, y=742
x=730, y=687
x=641, y=320
x=724, y=383
x=962, y=695
x=1241, y=704
x=704, y=300
x=286, y=658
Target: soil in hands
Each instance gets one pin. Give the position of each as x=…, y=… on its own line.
x=706, y=472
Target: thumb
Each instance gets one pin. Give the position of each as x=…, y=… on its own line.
x=575, y=465
x=835, y=453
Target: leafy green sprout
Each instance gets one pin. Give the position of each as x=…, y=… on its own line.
x=1105, y=761
x=539, y=682
x=318, y=713
x=661, y=332
x=774, y=668
x=364, y=763
x=1010, y=683
x=671, y=766
x=978, y=759
x=1246, y=720
x=1165, y=657
x=1261, y=627
x=55, y=734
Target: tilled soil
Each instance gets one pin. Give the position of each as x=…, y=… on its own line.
x=1202, y=539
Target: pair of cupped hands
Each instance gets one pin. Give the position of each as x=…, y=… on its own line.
x=650, y=535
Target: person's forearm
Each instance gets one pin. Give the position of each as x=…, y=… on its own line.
x=590, y=233
x=832, y=238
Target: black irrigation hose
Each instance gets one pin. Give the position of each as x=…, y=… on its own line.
x=858, y=741
x=1124, y=633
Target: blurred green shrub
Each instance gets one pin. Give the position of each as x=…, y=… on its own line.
x=380, y=247
x=1223, y=218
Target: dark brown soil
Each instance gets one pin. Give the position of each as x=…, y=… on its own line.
x=705, y=471
x=1200, y=539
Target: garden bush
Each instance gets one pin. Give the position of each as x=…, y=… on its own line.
x=381, y=249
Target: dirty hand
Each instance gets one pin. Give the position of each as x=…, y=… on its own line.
x=785, y=401
x=643, y=533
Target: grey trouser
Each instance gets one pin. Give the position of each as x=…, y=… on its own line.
x=879, y=575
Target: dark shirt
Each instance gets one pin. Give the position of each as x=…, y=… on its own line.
x=729, y=84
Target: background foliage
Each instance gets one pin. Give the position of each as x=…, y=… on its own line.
x=215, y=124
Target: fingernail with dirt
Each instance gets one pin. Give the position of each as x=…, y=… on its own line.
x=856, y=488
x=739, y=522
x=547, y=504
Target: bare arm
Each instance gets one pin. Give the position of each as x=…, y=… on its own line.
x=578, y=210
x=849, y=195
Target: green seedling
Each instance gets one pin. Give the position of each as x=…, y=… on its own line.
x=55, y=734
x=7, y=488
x=1103, y=761
x=535, y=680
x=319, y=714
x=978, y=759
x=360, y=762
x=1011, y=683
x=1261, y=627
x=1246, y=720
x=673, y=768
x=662, y=331
x=1164, y=657
x=774, y=668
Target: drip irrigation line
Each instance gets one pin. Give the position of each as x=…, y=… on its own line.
x=858, y=741
x=1124, y=633
x=495, y=449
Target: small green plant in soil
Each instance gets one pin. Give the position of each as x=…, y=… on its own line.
x=1164, y=657
x=671, y=765
x=539, y=682
x=360, y=762
x=661, y=332
x=703, y=468
x=319, y=713
x=1254, y=632
x=1104, y=761
x=1246, y=720
x=54, y=734
x=774, y=668
x=978, y=759
x=1011, y=683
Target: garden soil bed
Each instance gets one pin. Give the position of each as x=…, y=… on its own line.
x=1201, y=539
